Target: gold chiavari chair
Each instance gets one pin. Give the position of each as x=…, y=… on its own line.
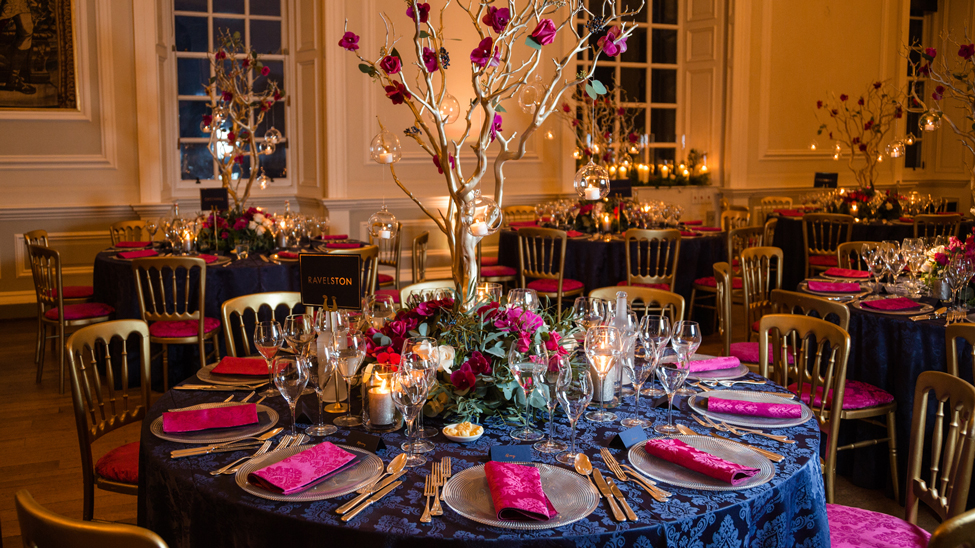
x=929, y=226
x=390, y=250
x=72, y=293
x=848, y=255
x=647, y=300
x=419, y=264
x=651, y=258
x=104, y=404
x=734, y=218
x=164, y=286
x=822, y=233
x=706, y=288
x=128, y=231
x=517, y=213
x=39, y=527
x=770, y=225
x=722, y=307
x=954, y=332
x=497, y=273
x=235, y=313
x=761, y=272
x=541, y=254
x=769, y=204
x=370, y=267
x=792, y=302
x=956, y=532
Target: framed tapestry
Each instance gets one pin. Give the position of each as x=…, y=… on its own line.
x=37, y=55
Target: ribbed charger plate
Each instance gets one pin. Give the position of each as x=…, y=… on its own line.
x=266, y=419
x=340, y=484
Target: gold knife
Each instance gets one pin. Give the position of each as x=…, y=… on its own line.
x=630, y=514
x=608, y=495
x=378, y=487
x=371, y=500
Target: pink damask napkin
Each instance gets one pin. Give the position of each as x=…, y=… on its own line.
x=230, y=365
x=214, y=417
x=303, y=470
x=290, y=255
x=789, y=212
x=678, y=452
x=342, y=246
x=334, y=237
x=906, y=220
x=133, y=244
x=833, y=287
x=711, y=364
x=755, y=409
x=687, y=233
x=208, y=259
x=138, y=254
x=517, y=492
x=846, y=273
x=897, y=303
x=693, y=223
x=573, y=234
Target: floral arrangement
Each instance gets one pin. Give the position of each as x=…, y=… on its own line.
x=605, y=131
x=693, y=171
x=866, y=204
x=861, y=128
x=237, y=225
x=938, y=258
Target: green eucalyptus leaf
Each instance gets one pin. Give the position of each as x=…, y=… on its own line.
x=366, y=69
x=599, y=87
x=424, y=34
x=530, y=42
x=385, y=341
x=590, y=92
x=499, y=108
x=423, y=329
x=495, y=351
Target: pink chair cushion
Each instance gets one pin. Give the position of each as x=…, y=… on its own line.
x=736, y=283
x=384, y=279
x=823, y=260
x=497, y=271
x=857, y=528
x=182, y=328
x=748, y=352
x=120, y=464
x=552, y=286
x=489, y=261
x=82, y=311
x=665, y=287
x=856, y=395
x=74, y=292
x=755, y=325
x=391, y=292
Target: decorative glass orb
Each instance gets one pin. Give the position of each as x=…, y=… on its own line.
x=263, y=180
x=591, y=182
x=449, y=109
x=219, y=115
x=530, y=95
x=895, y=149
x=385, y=148
x=813, y=145
x=205, y=127
x=383, y=225
x=909, y=139
x=929, y=121
x=273, y=136
x=626, y=161
x=266, y=147
x=481, y=216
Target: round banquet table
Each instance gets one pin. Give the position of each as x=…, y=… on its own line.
x=188, y=507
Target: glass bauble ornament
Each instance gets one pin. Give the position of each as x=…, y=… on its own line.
x=482, y=216
x=929, y=121
x=530, y=95
x=385, y=148
x=591, y=182
x=383, y=225
x=449, y=109
x=263, y=180
x=895, y=149
x=273, y=136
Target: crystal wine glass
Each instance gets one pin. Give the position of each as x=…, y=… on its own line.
x=589, y=311
x=546, y=380
x=422, y=354
x=379, y=309
x=348, y=352
x=409, y=393
x=525, y=299
x=686, y=334
x=298, y=331
x=655, y=329
x=268, y=339
x=320, y=371
x=672, y=369
x=643, y=365
x=522, y=362
x=489, y=292
x=603, y=347
x=290, y=376
x=574, y=389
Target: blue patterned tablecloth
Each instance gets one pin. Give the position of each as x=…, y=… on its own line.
x=188, y=507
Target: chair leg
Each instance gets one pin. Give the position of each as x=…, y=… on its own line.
x=41, y=345
x=165, y=360
x=41, y=334
x=61, y=359
x=690, y=310
x=88, y=512
x=892, y=446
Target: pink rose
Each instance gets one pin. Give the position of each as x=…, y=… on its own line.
x=221, y=55
x=479, y=364
x=966, y=51
x=265, y=70
x=390, y=64
x=349, y=41
x=430, y=60
x=397, y=93
x=939, y=93
x=844, y=97
x=463, y=378
x=544, y=32
x=931, y=52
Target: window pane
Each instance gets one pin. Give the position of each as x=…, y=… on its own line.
x=664, y=46
x=195, y=161
x=190, y=5
x=272, y=118
x=275, y=165
x=243, y=170
x=634, y=83
x=665, y=12
x=232, y=25
x=191, y=33
x=228, y=6
x=606, y=75
x=276, y=74
x=265, y=7
x=658, y=155
x=663, y=123
x=641, y=16
x=191, y=75
x=266, y=36
x=640, y=121
x=190, y=116
x=663, y=86
x=636, y=47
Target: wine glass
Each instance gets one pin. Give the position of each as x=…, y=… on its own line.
x=422, y=354
x=522, y=361
x=643, y=365
x=603, y=348
x=546, y=380
x=379, y=309
x=655, y=329
x=672, y=369
x=298, y=331
x=574, y=389
x=629, y=327
x=526, y=299
x=348, y=352
x=290, y=376
x=489, y=292
x=152, y=227
x=686, y=334
x=589, y=311
x=268, y=339
x=319, y=372
x=326, y=324
x=409, y=392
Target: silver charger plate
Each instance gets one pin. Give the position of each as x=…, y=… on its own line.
x=280, y=259
x=699, y=404
x=206, y=374
x=266, y=419
x=572, y=495
x=678, y=476
x=343, y=483
x=221, y=260
x=804, y=287
x=925, y=309
x=716, y=374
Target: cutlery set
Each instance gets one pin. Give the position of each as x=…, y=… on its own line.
x=440, y=472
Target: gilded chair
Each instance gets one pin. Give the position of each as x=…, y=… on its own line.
x=497, y=273
x=425, y=291
x=541, y=253
x=651, y=258
x=39, y=527
x=723, y=309
x=822, y=233
x=814, y=352
x=929, y=226
x=165, y=289
x=390, y=250
x=128, y=231
x=72, y=293
x=956, y=532
x=103, y=402
x=36, y=237
x=769, y=204
x=646, y=300
x=848, y=255
x=761, y=272
x=770, y=225
x=419, y=264
x=954, y=332
x=705, y=289
x=370, y=269
x=517, y=214
x=238, y=316
x=734, y=218
x=53, y=311
x=939, y=476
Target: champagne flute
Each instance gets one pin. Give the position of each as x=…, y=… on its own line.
x=379, y=309
x=546, y=380
x=319, y=372
x=422, y=354
x=603, y=348
x=672, y=369
x=643, y=365
x=655, y=329
x=348, y=357
x=290, y=376
x=574, y=389
x=409, y=392
x=522, y=362
x=268, y=338
x=687, y=334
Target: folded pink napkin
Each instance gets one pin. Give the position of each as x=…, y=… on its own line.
x=516, y=224
x=214, y=417
x=334, y=237
x=573, y=233
x=138, y=254
x=897, y=303
x=693, y=223
x=230, y=365
x=133, y=244
x=708, y=229
x=678, y=452
x=208, y=258
x=687, y=233
x=846, y=273
x=711, y=364
x=517, y=492
x=303, y=470
x=755, y=409
x=290, y=255
x=833, y=287
x=342, y=246
x=906, y=220
x=789, y=212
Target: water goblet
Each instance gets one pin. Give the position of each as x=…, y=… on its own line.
x=574, y=389
x=589, y=311
x=320, y=371
x=298, y=331
x=686, y=334
x=672, y=369
x=644, y=364
x=379, y=309
x=522, y=363
x=422, y=354
x=656, y=330
x=409, y=393
x=348, y=352
x=603, y=348
x=290, y=376
x=268, y=339
x=525, y=299
x=152, y=227
x=546, y=380
x=489, y=292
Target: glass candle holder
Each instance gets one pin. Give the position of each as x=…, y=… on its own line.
x=379, y=413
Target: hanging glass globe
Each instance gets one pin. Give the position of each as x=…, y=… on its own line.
x=895, y=149
x=263, y=180
x=205, y=127
x=929, y=121
x=385, y=148
x=813, y=145
x=449, y=109
x=219, y=115
x=481, y=215
x=530, y=96
x=273, y=136
x=383, y=225
x=265, y=147
x=909, y=139
x=591, y=182
x=626, y=161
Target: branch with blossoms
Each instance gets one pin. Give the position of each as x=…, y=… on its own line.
x=600, y=132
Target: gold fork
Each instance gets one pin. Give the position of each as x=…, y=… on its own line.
x=614, y=466
x=437, y=473
x=427, y=488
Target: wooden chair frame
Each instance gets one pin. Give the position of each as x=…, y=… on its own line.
x=127, y=231
x=232, y=313
x=389, y=253
x=761, y=272
x=649, y=267
x=537, y=252
x=822, y=233
x=652, y=300
x=517, y=213
x=789, y=302
x=956, y=532
x=419, y=263
x=927, y=226
x=846, y=252
x=734, y=218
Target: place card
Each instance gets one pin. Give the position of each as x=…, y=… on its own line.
x=628, y=438
x=332, y=280
x=511, y=453
x=365, y=441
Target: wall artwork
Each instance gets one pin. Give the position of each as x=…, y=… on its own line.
x=37, y=55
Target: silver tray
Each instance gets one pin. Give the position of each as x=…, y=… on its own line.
x=572, y=495
x=343, y=483
x=699, y=404
x=266, y=418
x=804, y=287
x=925, y=309
x=678, y=476
x=205, y=374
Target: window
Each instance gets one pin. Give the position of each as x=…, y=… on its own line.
x=916, y=35
x=197, y=25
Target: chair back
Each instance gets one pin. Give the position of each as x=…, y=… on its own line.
x=822, y=233
x=734, y=218
x=370, y=267
x=651, y=256
x=848, y=255
x=45, y=266
x=39, y=527
x=945, y=482
x=36, y=237
x=954, y=332
x=390, y=250
x=541, y=252
x=929, y=226
x=723, y=303
x=646, y=299
x=425, y=291
x=956, y=532
x=792, y=302
x=761, y=272
x=517, y=213
x=419, y=264
x=770, y=230
x=127, y=231
x=742, y=238
x=240, y=314
x=164, y=286
x=769, y=204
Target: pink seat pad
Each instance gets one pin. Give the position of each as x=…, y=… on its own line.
x=823, y=260
x=693, y=223
x=489, y=261
x=74, y=292
x=748, y=352
x=391, y=292
x=120, y=464
x=551, y=286
x=384, y=279
x=182, y=328
x=709, y=281
x=665, y=287
x=857, y=528
x=856, y=395
x=708, y=229
x=497, y=271
x=81, y=311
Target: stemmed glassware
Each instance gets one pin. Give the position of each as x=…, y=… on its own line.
x=421, y=354
x=643, y=364
x=672, y=370
x=603, y=347
x=686, y=334
x=589, y=311
x=268, y=339
x=348, y=357
x=522, y=362
x=574, y=389
x=319, y=372
x=526, y=299
x=913, y=251
x=656, y=330
x=959, y=271
x=409, y=392
x=379, y=309
x=152, y=227
x=546, y=379
x=290, y=376
x=329, y=325
x=298, y=331
x=489, y=292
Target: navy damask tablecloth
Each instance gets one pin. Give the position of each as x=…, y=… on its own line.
x=185, y=505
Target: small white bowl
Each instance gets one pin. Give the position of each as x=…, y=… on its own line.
x=461, y=439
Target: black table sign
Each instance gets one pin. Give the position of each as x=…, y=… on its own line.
x=332, y=277
x=511, y=453
x=214, y=198
x=628, y=438
x=365, y=441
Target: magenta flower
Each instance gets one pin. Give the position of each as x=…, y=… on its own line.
x=496, y=18
x=479, y=364
x=481, y=56
x=265, y=70
x=451, y=159
x=495, y=126
x=819, y=104
x=862, y=147
x=612, y=44
x=939, y=93
x=522, y=343
x=633, y=137
x=241, y=224
x=224, y=235
x=966, y=51
x=566, y=107
x=424, y=9
x=941, y=259
x=868, y=125
x=349, y=41
x=227, y=96
x=844, y=97
x=221, y=55
x=390, y=64
x=544, y=33
x=430, y=60
x=860, y=102
x=463, y=378
x=245, y=63
x=931, y=52
x=397, y=93
x=207, y=119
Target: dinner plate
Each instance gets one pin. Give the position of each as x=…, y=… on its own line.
x=699, y=404
x=221, y=260
x=275, y=257
x=678, y=476
x=266, y=419
x=804, y=287
x=206, y=374
x=925, y=309
x=716, y=374
x=365, y=471
x=844, y=278
x=572, y=496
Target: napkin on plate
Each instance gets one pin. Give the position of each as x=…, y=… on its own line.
x=516, y=224
x=906, y=220
x=341, y=246
x=789, y=212
x=517, y=492
x=846, y=273
x=693, y=223
x=574, y=234
x=678, y=452
x=755, y=409
x=897, y=303
x=334, y=237
x=213, y=417
x=303, y=470
x=833, y=287
x=208, y=259
x=133, y=244
x=290, y=255
x=138, y=254
x=230, y=365
x=687, y=233
x=711, y=364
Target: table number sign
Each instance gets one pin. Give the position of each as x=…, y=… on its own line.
x=628, y=438
x=825, y=180
x=214, y=198
x=330, y=279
